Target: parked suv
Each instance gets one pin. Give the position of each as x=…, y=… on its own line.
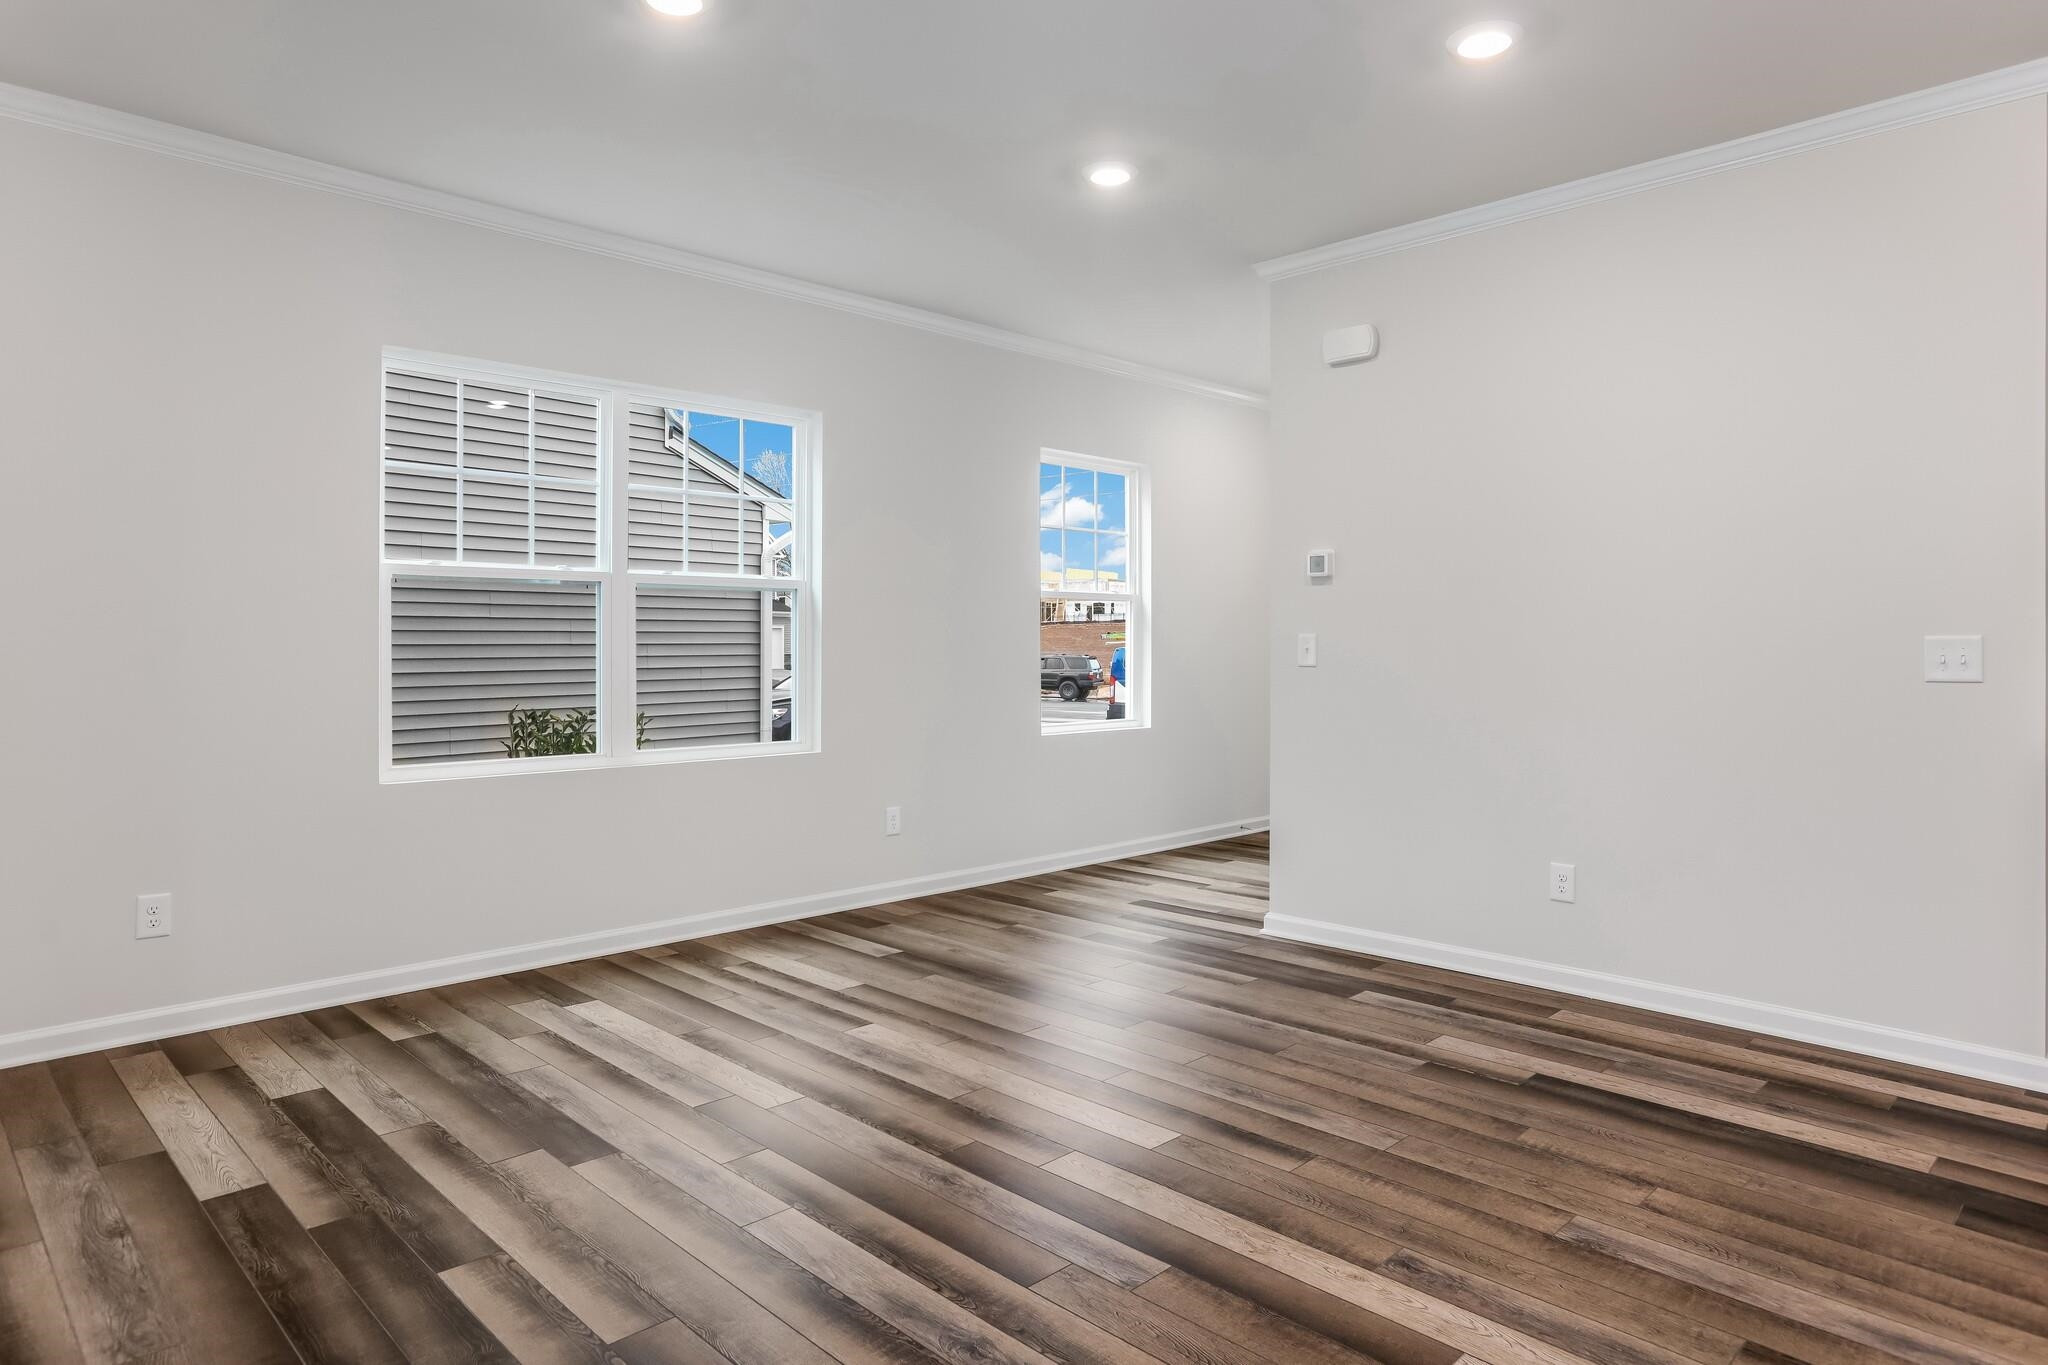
x=1073, y=676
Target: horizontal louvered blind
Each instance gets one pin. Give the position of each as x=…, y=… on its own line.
x=465, y=651
x=700, y=666
x=484, y=473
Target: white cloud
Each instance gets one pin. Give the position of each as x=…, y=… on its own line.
x=1054, y=503
x=1050, y=563
x=1116, y=557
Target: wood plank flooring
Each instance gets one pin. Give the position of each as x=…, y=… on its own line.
x=1089, y=1116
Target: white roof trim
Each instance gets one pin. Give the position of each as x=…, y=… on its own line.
x=131, y=130
x=1959, y=97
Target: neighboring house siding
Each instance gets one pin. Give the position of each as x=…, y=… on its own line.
x=700, y=657
x=464, y=652
x=672, y=500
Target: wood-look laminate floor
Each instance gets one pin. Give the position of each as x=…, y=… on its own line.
x=1085, y=1116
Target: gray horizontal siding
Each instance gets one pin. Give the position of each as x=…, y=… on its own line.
x=493, y=454
x=699, y=666
x=675, y=519
x=464, y=652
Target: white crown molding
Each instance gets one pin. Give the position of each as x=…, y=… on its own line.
x=2025, y=1070
x=1960, y=97
x=132, y=130
x=169, y=1021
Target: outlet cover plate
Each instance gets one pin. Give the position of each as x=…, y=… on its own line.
x=153, y=915
x=1564, y=882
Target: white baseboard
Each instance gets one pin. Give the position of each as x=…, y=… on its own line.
x=168, y=1021
x=1874, y=1040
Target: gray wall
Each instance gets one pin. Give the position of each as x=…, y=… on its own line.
x=203, y=608
x=1640, y=517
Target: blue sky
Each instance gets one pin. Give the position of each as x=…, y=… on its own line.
x=1083, y=518
x=731, y=437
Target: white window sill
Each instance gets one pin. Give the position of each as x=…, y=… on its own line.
x=464, y=769
x=1093, y=727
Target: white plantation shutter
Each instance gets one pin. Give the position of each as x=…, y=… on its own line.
x=465, y=651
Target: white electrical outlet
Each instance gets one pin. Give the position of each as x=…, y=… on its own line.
x=892, y=821
x=153, y=915
x=1564, y=882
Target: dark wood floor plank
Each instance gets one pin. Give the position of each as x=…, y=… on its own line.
x=1455, y=1327
x=1011, y=1307
x=34, y=1328
x=597, y=1291
x=207, y=1301
x=1238, y=1319
x=195, y=1052
x=17, y=1218
x=712, y=1306
x=32, y=1111
x=474, y=999
x=308, y=1297
x=950, y=1332
x=110, y=1125
x=838, y=1326
x=540, y=1124
x=426, y=1319
x=519, y=1311
x=440, y=1099
x=385, y=1185
x=113, y=1302
x=669, y=1343
x=339, y=1074
x=1140, y=1322
x=488, y=1045
x=965, y=1230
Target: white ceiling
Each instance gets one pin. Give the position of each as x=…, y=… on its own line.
x=928, y=151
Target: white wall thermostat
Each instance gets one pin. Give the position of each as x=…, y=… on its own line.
x=1322, y=565
x=1349, y=345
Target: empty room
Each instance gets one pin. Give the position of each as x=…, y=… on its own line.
x=528, y=832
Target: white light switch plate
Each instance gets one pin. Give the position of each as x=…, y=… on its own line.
x=1305, y=651
x=1953, y=658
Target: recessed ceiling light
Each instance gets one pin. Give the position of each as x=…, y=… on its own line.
x=678, y=8
x=1109, y=175
x=497, y=402
x=1482, y=42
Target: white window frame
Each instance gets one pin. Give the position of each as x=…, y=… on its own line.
x=616, y=686
x=1138, y=619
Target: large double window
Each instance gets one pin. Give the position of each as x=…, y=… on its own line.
x=581, y=574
